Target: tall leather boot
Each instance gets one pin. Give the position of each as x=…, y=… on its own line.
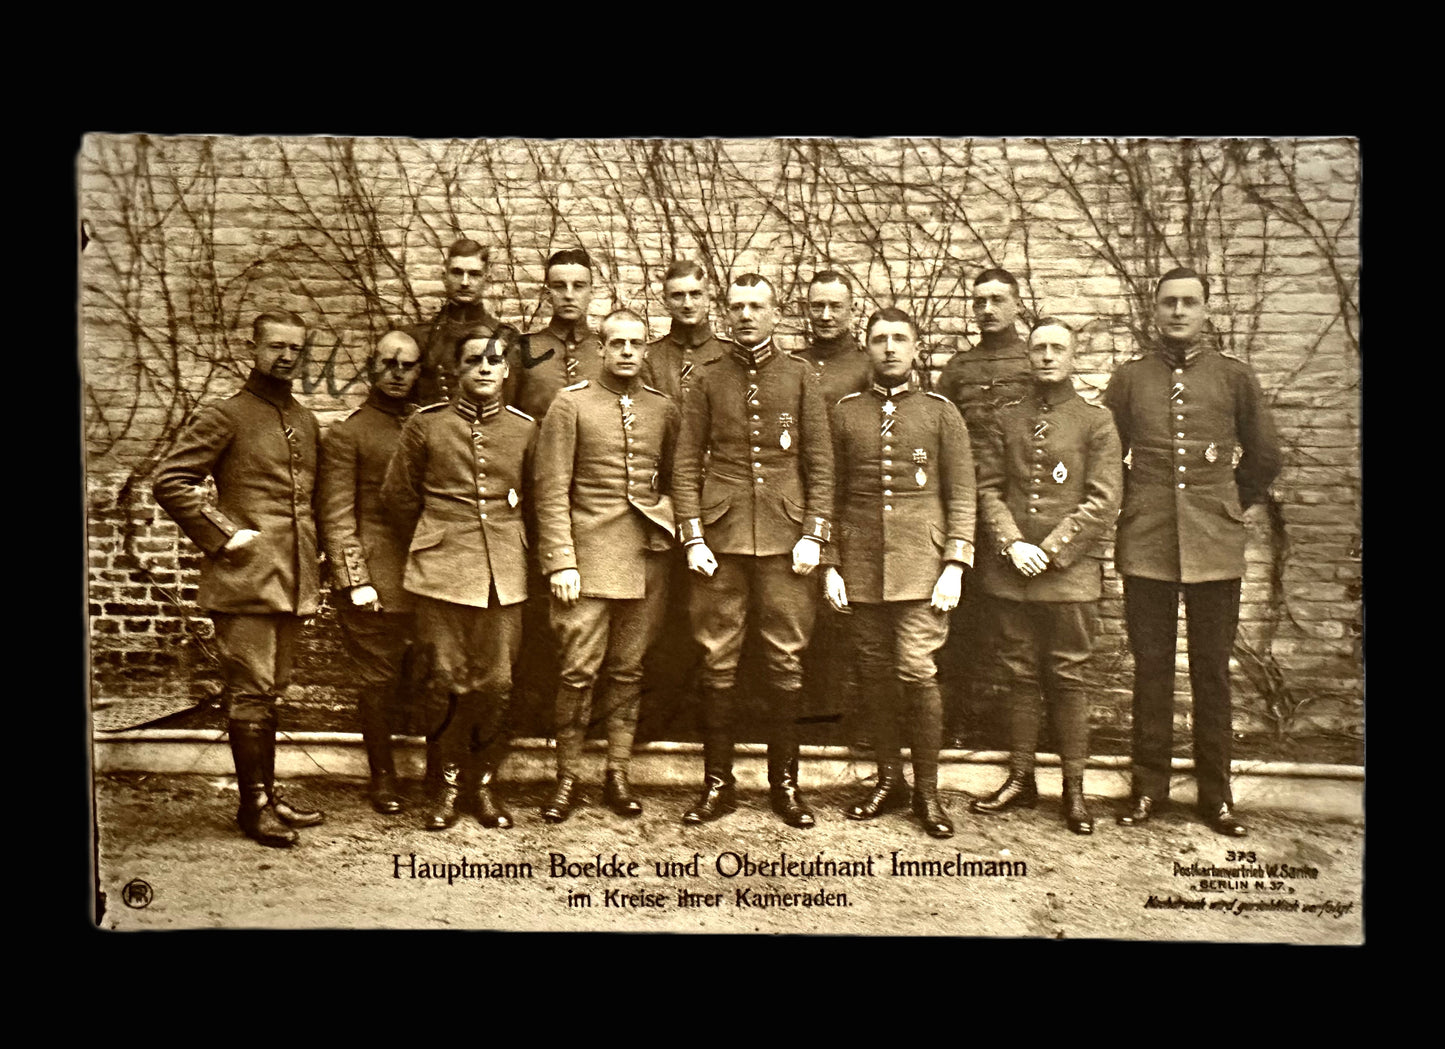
x=1019, y=790
x=878, y=693
x=573, y=710
x=623, y=704
x=926, y=705
x=445, y=752
x=785, y=794
x=256, y=814
x=1076, y=812
x=489, y=751
x=289, y=814
x=719, y=797
x=376, y=735
x=1071, y=720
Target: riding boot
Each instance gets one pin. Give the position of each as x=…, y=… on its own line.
x=623, y=704
x=572, y=711
x=785, y=794
x=256, y=814
x=719, y=796
x=892, y=790
x=376, y=734
x=489, y=750
x=288, y=813
x=926, y=705
x=1076, y=811
x=1019, y=790
x=445, y=753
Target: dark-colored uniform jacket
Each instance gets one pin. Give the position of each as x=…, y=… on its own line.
x=673, y=361
x=363, y=544
x=1184, y=499
x=839, y=367
x=261, y=448
x=1052, y=476
x=905, y=493
x=437, y=339
x=604, y=471
x=769, y=478
x=459, y=477
x=984, y=378
x=539, y=372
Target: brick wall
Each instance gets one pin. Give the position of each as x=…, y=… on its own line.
x=188, y=238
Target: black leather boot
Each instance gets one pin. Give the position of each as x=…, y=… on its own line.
x=442, y=812
x=289, y=814
x=878, y=693
x=559, y=805
x=489, y=811
x=891, y=793
x=1141, y=810
x=928, y=808
x=385, y=797
x=256, y=814
x=618, y=796
x=785, y=795
x=1076, y=811
x=1019, y=791
x=926, y=705
x=718, y=796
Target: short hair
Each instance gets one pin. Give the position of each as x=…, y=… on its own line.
x=1182, y=273
x=830, y=277
x=278, y=317
x=889, y=313
x=394, y=331
x=621, y=313
x=996, y=273
x=568, y=257
x=1050, y=321
x=507, y=336
x=681, y=268
x=466, y=248
x=752, y=280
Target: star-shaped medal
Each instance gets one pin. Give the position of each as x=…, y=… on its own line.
x=625, y=400
x=889, y=408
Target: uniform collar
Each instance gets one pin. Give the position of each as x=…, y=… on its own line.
x=474, y=313
x=1054, y=393
x=755, y=356
x=889, y=391
x=824, y=349
x=270, y=389
x=1181, y=355
x=612, y=384
x=472, y=412
x=565, y=332
x=390, y=405
x=1004, y=344
x=692, y=337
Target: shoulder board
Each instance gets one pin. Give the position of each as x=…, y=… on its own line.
x=353, y=415
x=1094, y=404
x=650, y=389
x=518, y=411
x=715, y=360
x=575, y=386
x=722, y=337
x=850, y=396
x=660, y=338
x=1233, y=359
x=434, y=407
x=930, y=393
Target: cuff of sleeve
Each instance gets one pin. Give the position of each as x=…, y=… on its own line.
x=354, y=570
x=1006, y=543
x=689, y=530
x=818, y=528
x=1058, y=543
x=220, y=532
x=558, y=560
x=960, y=550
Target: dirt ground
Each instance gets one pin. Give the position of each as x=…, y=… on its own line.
x=170, y=857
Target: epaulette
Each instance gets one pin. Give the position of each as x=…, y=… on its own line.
x=650, y=389
x=721, y=337
x=849, y=396
x=660, y=338
x=713, y=361
x=577, y=385
x=940, y=396
x=518, y=411
x=433, y=407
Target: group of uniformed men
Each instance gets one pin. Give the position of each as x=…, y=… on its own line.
x=582, y=461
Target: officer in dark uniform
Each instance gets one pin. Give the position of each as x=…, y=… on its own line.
x=1049, y=481
x=1183, y=410
x=464, y=274
x=565, y=351
x=980, y=380
x=456, y=486
x=673, y=360
x=605, y=525
x=905, y=533
x=261, y=573
x=367, y=553
x=757, y=428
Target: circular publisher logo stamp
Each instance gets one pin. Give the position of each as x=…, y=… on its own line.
x=137, y=894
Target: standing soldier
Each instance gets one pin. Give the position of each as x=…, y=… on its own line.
x=905, y=533
x=565, y=351
x=367, y=553
x=605, y=525
x=464, y=274
x=1183, y=411
x=757, y=427
x=261, y=573
x=673, y=360
x=456, y=486
x=1048, y=489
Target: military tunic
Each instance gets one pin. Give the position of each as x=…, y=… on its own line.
x=984, y=378
x=839, y=366
x=557, y=356
x=437, y=340
x=673, y=360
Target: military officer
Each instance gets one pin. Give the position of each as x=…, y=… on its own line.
x=464, y=274
x=753, y=528
x=1049, y=480
x=456, y=485
x=605, y=527
x=1183, y=410
x=673, y=360
x=905, y=485
x=565, y=351
x=261, y=573
x=367, y=553
x=981, y=380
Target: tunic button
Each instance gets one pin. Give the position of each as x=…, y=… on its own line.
x=752, y=371
x=1181, y=469
x=1181, y=451
x=757, y=448
x=755, y=418
x=1178, y=371
x=757, y=466
x=754, y=404
x=1033, y=495
x=1179, y=417
x=887, y=507
x=888, y=447
x=484, y=517
x=759, y=480
x=887, y=492
x=887, y=477
x=887, y=462
x=629, y=455
x=1181, y=486
x=1179, y=434
x=1033, y=509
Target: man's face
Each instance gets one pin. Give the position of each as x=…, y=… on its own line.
x=995, y=306
x=396, y=364
x=624, y=347
x=752, y=314
x=278, y=350
x=1179, y=309
x=892, y=347
x=481, y=370
x=687, y=300
x=830, y=310
x=1051, y=353
x=464, y=277
x=569, y=287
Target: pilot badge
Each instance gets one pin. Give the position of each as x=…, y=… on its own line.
x=921, y=458
x=1061, y=474
x=512, y=499
x=785, y=422
x=1211, y=453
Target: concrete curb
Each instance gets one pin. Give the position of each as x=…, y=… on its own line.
x=1327, y=790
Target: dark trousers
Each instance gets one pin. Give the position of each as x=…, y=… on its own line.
x=465, y=651
x=256, y=653
x=968, y=665
x=1211, y=610
x=1043, y=648
x=379, y=644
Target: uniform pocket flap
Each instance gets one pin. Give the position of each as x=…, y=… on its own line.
x=425, y=539
x=716, y=510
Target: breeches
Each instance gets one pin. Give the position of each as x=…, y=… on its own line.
x=746, y=589
x=466, y=649
x=256, y=656
x=899, y=638
x=610, y=636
